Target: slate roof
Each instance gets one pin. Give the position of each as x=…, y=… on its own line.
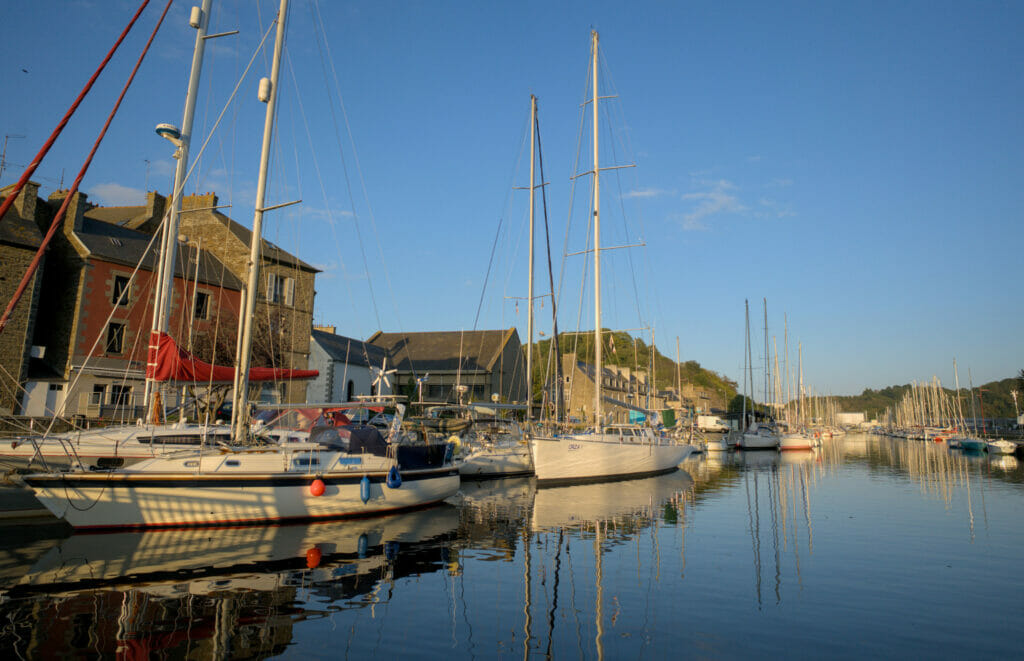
x=120, y=245
x=115, y=215
x=346, y=349
x=271, y=252
x=440, y=351
x=18, y=231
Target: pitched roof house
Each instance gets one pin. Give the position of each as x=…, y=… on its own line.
x=486, y=362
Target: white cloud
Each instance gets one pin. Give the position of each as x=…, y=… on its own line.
x=773, y=209
x=718, y=198
x=647, y=192
x=116, y=195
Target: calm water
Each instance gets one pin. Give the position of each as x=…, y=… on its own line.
x=868, y=547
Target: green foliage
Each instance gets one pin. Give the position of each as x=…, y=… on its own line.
x=736, y=404
x=994, y=396
x=632, y=353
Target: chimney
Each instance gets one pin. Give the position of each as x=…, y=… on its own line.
x=76, y=210
x=156, y=206
x=25, y=204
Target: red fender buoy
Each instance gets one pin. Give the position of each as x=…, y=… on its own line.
x=313, y=556
x=317, y=487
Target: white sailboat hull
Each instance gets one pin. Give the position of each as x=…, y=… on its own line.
x=589, y=457
x=504, y=461
x=160, y=498
x=107, y=447
x=757, y=441
x=796, y=442
x=1001, y=447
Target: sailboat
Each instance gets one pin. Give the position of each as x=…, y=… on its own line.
x=756, y=436
x=496, y=447
x=603, y=452
x=799, y=439
x=245, y=483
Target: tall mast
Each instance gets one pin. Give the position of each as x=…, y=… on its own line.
x=746, y=355
x=169, y=240
x=785, y=343
x=800, y=386
x=598, y=362
x=679, y=379
x=767, y=372
x=240, y=410
x=529, y=294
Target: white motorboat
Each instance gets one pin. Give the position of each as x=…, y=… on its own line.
x=720, y=444
x=495, y=448
x=1001, y=446
x=759, y=437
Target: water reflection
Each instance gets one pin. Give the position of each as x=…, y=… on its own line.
x=212, y=593
x=807, y=549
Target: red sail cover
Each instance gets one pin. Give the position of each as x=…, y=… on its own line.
x=166, y=361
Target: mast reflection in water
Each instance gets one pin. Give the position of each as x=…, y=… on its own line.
x=865, y=547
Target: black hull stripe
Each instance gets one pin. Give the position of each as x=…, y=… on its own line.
x=603, y=478
x=135, y=481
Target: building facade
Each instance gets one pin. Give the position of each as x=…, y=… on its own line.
x=622, y=384
x=93, y=332
x=20, y=237
x=469, y=365
x=345, y=366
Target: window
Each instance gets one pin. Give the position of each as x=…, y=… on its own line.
x=280, y=289
x=98, y=392
x=202, y=306
x=120, y=395
x=351, y=390
x=115, y=338
x=120, y=294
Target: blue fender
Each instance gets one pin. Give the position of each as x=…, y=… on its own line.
x=364, y=488
x=394, y=478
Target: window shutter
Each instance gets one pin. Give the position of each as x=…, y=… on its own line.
x=289, y=291
x=271, y=281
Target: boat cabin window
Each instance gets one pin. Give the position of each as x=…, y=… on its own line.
x=184, y=439
x=232, y=462
x=305, y=462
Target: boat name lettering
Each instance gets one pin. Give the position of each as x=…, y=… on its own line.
x=574, y=446
x=350, y=461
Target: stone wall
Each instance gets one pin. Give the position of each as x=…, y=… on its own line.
x=16, y=340
x=291, y=320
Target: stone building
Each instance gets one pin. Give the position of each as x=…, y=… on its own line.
x=344, y=364
x=484, y=363
x=286, y=287
x=93, y=331
x=19, y=239
x=631, y=387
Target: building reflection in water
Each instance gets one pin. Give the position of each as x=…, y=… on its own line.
x=202, y=593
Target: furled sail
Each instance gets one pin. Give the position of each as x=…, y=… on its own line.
x=166, y=361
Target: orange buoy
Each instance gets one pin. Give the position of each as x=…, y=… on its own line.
x=317, y=487
x=313, y=556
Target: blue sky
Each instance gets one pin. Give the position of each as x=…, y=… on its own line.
x=857, y=164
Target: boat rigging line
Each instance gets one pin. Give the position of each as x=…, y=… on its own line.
x=67, y=116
